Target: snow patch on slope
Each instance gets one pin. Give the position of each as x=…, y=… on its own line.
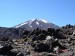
x=30, y=26
x=32, y=19
x=37, y=23
x=21, y=25
x=44, y=21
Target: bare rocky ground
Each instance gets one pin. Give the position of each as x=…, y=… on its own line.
x=22, y=48
x=41, y=43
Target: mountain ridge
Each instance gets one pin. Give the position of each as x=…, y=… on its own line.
x=37, y=23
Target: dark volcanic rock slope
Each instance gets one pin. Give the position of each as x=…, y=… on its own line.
x=9, y=32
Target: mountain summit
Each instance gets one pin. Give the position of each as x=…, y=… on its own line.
x=37, y=23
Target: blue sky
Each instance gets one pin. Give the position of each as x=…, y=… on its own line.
x=59, y=12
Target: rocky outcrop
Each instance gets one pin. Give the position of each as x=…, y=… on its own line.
x=6, y=50
x=41, y=47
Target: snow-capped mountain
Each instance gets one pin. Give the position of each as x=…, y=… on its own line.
x=37, y=23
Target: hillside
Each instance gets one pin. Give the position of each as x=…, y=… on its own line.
x=51, y=41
